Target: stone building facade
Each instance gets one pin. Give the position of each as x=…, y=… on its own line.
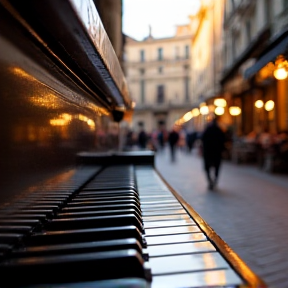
x=159, y=78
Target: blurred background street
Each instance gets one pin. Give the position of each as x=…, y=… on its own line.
x=248, y=209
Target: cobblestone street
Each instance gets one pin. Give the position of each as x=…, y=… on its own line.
x=248, y=210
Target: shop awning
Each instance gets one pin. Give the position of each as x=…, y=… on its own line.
x=273, y=50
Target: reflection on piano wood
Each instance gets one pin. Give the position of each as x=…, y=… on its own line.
x=114, y=226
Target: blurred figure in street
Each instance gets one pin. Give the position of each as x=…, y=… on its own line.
x=182, y=140
x=142, y=139
x=161, y=140
x=213, y=139
x=191, y=137
x=173, y=138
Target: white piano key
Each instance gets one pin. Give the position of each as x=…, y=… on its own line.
x=174, y=223
x=180, y=248
x=217, y=278
x=178, y=238
x=172, y=230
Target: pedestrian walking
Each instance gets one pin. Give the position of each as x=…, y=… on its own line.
x=213, y=139
x=173, y=138
x=161, y=140
x=142, y=139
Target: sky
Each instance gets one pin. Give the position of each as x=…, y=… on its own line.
x=162, y=15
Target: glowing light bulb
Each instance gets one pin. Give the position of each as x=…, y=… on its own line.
x=219, y=110
x=259, y=104
x=269, y=105
x=280, y=73
x=235, y=111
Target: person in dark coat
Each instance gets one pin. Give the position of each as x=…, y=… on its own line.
x=213, y=141
x=142, y=139
x=173, y=138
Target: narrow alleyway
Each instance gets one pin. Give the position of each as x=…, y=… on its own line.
x=249, y=210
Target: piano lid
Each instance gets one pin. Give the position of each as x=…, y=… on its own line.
x=72, y=33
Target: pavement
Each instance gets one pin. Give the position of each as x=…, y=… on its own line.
x=248, y=209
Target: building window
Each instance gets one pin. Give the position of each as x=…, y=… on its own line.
x=142, y=71
x=186, y=88
x=235, y=44
x=142, y=55
x=187, y=51
x=268, y=11
x=176, y=52
x=285, y=4
x=160, y=70
x=248, y=31
x=160, y=54
x=160, y=94
x=142, y=91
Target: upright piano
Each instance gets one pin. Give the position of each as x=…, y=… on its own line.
x=76, y=210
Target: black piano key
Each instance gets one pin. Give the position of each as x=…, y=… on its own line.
x=24, y=222
x=83, y=247
x=47, y=197
x=105, y=198
x=41, y=202
x=84, y=235
x=5, y=248
x=107, y=192
x=47, y=212
x=93, y=222
x=100, y=202
x=119, y=213
x=53, y=208
x=16, y=229
x=10, y=238
x=40, y=217
x=109, y=187
x=102, y=207
x=77, y=267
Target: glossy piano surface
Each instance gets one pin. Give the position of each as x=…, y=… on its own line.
x=51, y=109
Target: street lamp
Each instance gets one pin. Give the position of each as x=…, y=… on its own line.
x=269, y=105
x=204, y=110
x=220, y=102
x=259, y=104
x=188, y=116
x=219, y=110
x=281, y=71
x=234, y=110
x=195, y=112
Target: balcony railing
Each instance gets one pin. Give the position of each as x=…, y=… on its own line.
x=163, y=106
x=156, y=61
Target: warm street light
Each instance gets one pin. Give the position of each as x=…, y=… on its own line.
x=269, y=105
x=234, y=110
x=195, y=112
x=204, y=110
x=220, y=102
x=219, y=111
x=187, y=116
x=281, y=71
x=259, y=104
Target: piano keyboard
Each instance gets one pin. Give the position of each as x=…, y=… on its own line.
x=119, y=226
